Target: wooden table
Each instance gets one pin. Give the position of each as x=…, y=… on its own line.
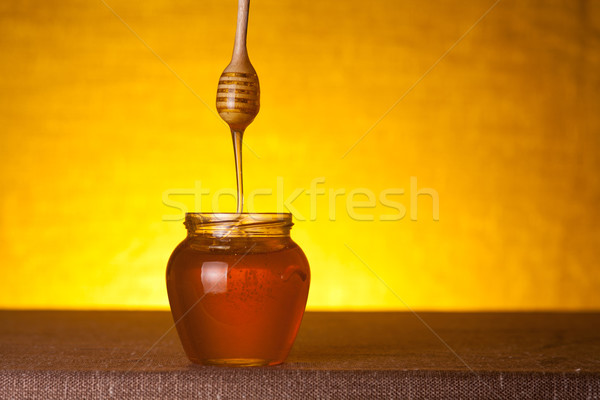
x=127, y=354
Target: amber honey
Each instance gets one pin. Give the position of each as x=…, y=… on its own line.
x=238, y=292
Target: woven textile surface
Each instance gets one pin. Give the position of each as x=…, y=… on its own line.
x=122, y=355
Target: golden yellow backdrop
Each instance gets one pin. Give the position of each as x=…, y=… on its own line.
x=96, y=131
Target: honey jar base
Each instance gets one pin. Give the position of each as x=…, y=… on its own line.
x=236, y=362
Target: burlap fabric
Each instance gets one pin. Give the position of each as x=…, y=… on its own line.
x=123, y=355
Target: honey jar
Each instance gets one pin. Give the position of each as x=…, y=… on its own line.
x=237, y=287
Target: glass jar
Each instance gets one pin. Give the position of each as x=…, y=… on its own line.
x=238, y=286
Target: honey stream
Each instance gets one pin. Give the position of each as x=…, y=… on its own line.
x=237, y=151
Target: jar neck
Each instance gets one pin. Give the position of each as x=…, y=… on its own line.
x=232, y=225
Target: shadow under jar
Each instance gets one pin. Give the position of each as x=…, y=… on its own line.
x=237, y=287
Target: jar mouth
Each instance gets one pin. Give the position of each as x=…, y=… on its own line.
x=260, y=215
x=238, y=224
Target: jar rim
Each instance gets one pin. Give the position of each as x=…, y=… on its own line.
x=239, y=224
x=259, y=216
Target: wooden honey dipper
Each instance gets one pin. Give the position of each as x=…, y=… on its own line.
x=238, y=94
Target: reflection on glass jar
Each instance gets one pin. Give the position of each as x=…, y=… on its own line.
x=238, y=286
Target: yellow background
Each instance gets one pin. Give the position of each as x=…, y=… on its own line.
x=506, y=128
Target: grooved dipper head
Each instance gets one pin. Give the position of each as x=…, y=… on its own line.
x=238, y=97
